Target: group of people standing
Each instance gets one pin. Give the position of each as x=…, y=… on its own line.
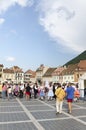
x=55, y=91
x=11, y=90
x=50, y=90
x=18, y=90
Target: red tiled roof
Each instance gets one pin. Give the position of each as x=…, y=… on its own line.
x=49, y=72
x=16, y=69
x=29, y=71
x=32, y=73
x=1, y=65
x=82, y=64
x=70, y=69
x=58, y=71
x=8, y=70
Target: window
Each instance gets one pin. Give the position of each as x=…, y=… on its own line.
x=68, y=77
x=64, y=77
x=0, y=70
x=80, y=74
x=72, y=77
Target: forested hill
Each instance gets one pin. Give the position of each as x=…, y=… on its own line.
x=77, y=59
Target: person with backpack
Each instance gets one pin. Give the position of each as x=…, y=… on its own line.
x=60, y=95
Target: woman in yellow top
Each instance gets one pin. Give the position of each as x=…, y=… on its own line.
x=60, y=94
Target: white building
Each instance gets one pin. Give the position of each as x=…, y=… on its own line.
x=82, y=84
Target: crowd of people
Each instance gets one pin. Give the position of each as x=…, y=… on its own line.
x=49, y=91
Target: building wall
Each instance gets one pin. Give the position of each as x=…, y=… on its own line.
x=40, y=73
x=8, y=77
x=55, y=79
x=26, y=77
x=49, y=79
x=68, y=78
x=82, y=84
x=33, y=80
x=1, y=73
x=19, y=77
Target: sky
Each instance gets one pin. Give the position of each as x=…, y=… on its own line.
x=35, y=32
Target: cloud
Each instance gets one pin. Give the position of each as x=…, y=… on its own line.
x=65, y=22
x=2, y=20
x=25, y=2
x=5, y=4
x=13, y=32
x=10, y=59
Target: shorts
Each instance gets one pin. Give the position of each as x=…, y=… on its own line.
x=69, y=100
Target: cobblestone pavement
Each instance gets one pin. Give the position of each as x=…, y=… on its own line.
x=19, y=114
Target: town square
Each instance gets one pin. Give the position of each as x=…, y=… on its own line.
x=42, y=65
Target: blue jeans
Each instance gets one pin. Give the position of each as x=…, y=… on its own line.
x=3, y=94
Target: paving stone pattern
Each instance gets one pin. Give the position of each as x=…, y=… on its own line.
x=19, y=114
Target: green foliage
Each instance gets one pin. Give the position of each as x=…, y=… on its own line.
x=77, y=59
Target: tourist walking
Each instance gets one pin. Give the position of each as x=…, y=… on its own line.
x=21, y=90
x=70, y=96
x=60, y=94
x=4, y=91
x=54, y=89
x=42, y=91
x=9, y=92
x=50, y=92
x=35, y=90
x=27, y=91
